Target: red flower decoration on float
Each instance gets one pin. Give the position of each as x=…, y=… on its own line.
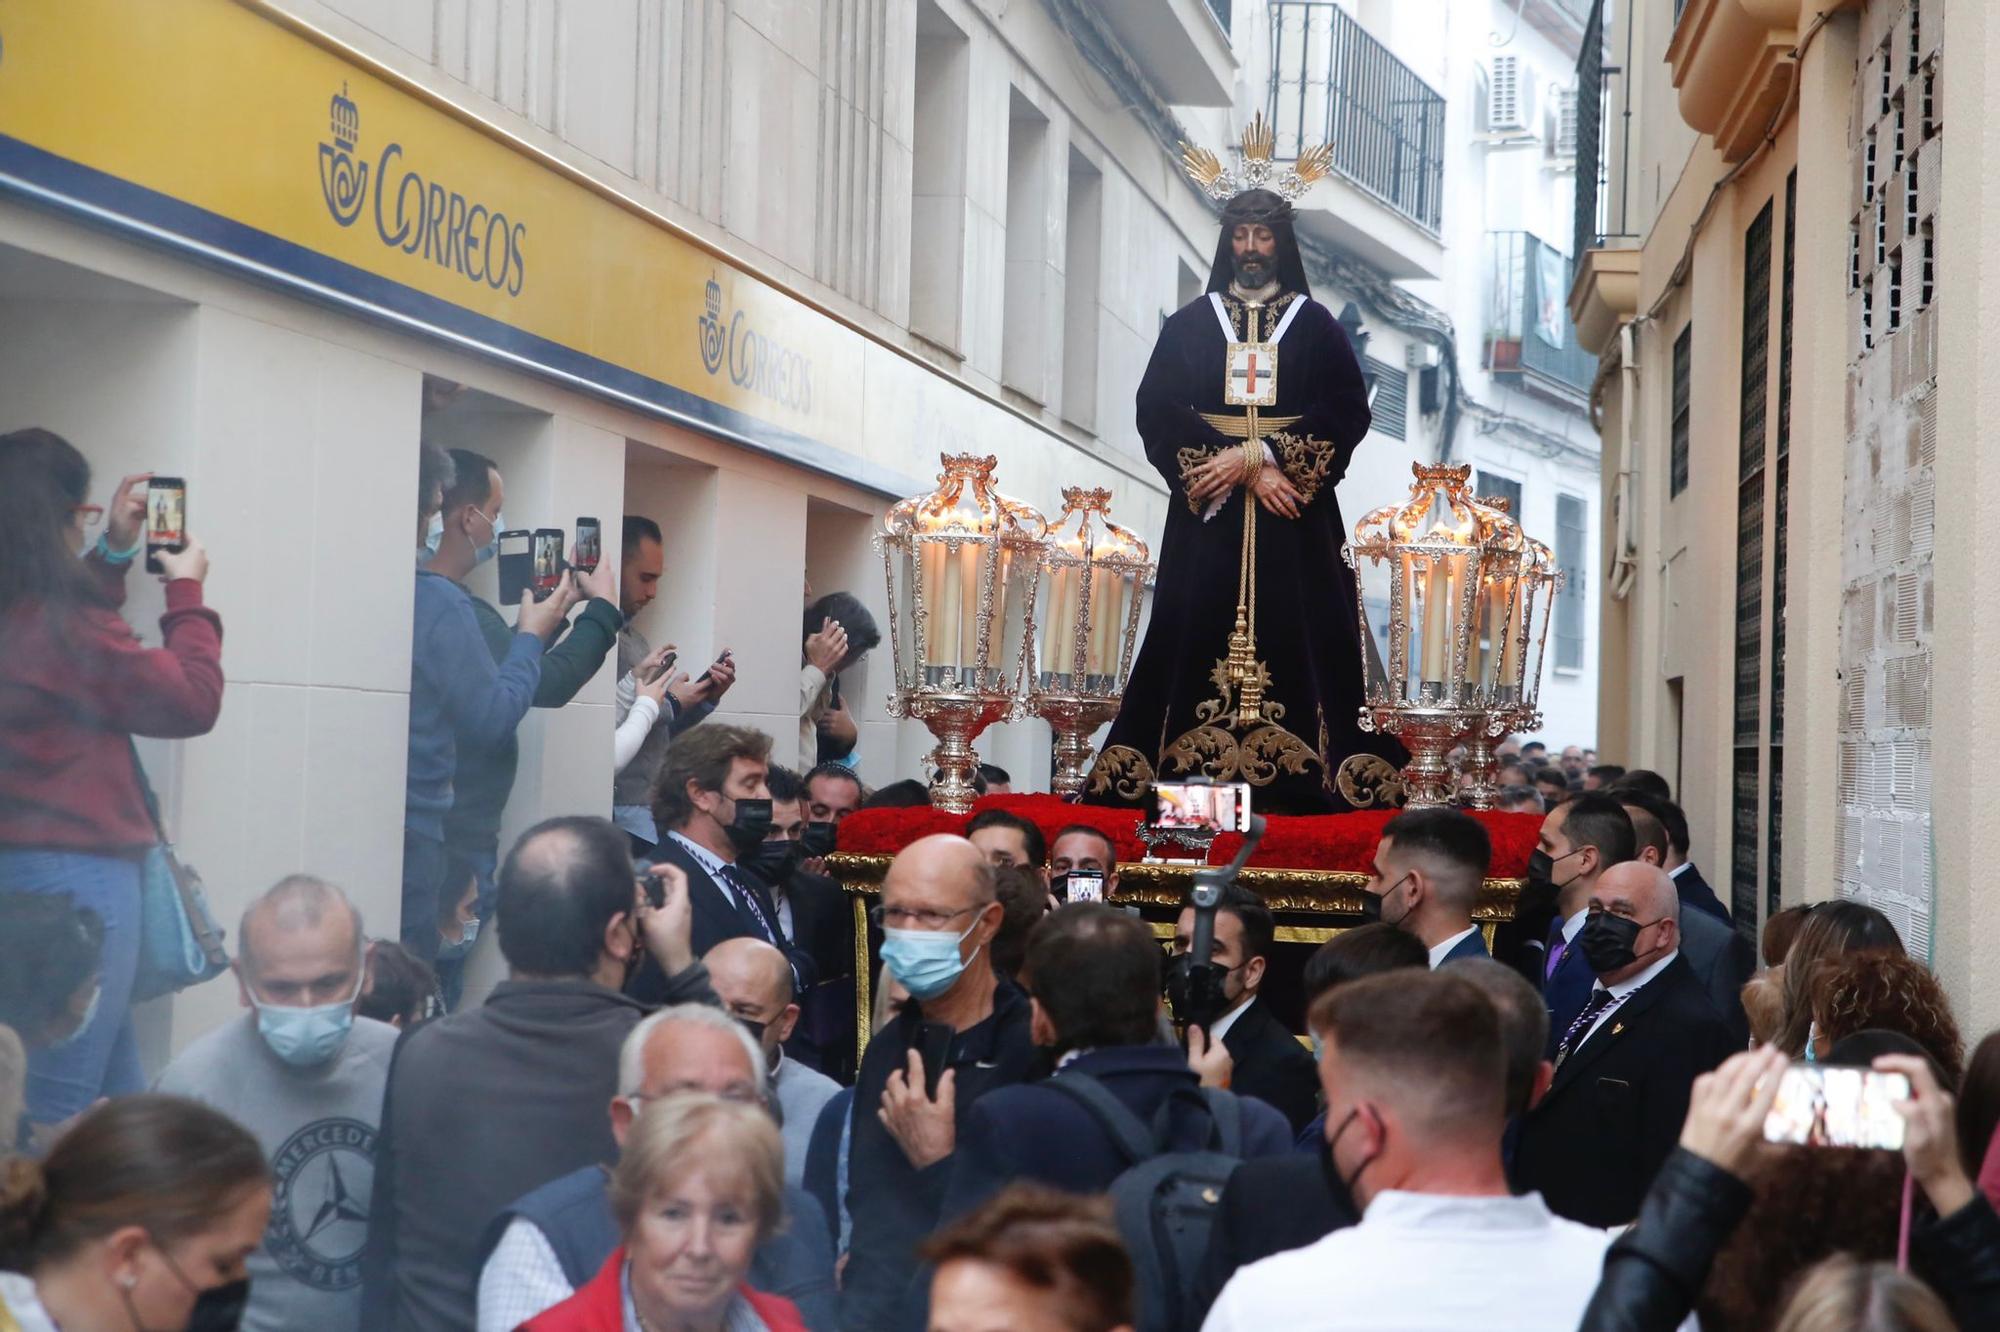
x=1336, y=842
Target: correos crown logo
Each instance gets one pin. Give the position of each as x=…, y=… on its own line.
x=759, y=363
x=415, y=215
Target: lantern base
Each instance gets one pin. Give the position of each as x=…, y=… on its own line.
x=1429, y=734
x=1074, y=720
x=1484, y=765
x=956, y=720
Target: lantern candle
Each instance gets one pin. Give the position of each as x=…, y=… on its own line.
x=934, y=556
x=1514, y=619
x=1437, y=596
x=945, y=608
x=968, y=608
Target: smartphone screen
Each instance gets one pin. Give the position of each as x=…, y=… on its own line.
x=1084, y=886
x=588, y=543
x=548, y=557
x=1220, y=807
x=166, y=518
x=514, y=565
x=1831, y=1105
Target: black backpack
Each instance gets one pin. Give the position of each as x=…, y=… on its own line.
x=1164, y=1201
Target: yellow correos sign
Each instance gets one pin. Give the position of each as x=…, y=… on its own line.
x=207, y=124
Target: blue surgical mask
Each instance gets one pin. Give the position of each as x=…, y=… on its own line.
x=463, y=944
x=926, y=961
x=435, y=534
x=305, y=1037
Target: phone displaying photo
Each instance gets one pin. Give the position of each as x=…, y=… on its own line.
x=1831, y=1105
x=515, y=565
x=166, y=518
x=1084, y=886
x=1218, y=807
x=548, y=558
x=589, y=544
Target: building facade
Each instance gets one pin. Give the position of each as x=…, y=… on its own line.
x=746, y=268
x=1789, y=289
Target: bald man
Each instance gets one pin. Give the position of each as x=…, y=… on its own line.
x=754, y=982
x=306, y=1075
x=1626, y=1063
x=939, y=913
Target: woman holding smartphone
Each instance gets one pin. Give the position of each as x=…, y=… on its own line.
x=75, y=686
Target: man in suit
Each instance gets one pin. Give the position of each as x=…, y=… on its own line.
x=1269, y=1062
x=1626, y=1063
x=814, y=915
x=1429, y=865
x=1580, y=839
x=1093, y=974
x=713, y=808
x=1721, y=959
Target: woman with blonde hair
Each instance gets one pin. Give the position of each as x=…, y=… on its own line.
x=698, y=1187
x=1843, y=1295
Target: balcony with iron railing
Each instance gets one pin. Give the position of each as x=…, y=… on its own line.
x=1604, y=290
x=1333, y=82
x=1529, y=337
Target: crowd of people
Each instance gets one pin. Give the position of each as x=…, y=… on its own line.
x=665, y=1118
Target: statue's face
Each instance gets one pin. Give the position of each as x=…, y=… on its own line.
x=1253, y=251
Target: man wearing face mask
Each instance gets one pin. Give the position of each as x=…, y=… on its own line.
x=461, y=702
x=715, y=807
x=939, y=913
x=485, y=774
x=754, y=983
x=1429, y=866
x=1416, y=1093
x=1579, y=841
x=814, y=915
x=1269, y=1062
x=305, y=1075
x=1626, y=1063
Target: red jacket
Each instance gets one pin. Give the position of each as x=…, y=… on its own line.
x=600, y=1305
x=74, y=689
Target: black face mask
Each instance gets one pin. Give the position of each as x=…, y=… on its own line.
x=1371, y=904
x=1607, y=942
x=1541, y=886
x=751, y=825
x=775, y=858
x=1332, y=1168
x=818, y=839
x=756, y=1030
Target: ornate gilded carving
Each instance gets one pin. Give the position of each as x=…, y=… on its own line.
x=1368, y=781
x=1121, y=769
x=1190, y=459
x=1239, y=738
x=1305, y=461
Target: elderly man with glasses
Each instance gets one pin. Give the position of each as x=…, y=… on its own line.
x=963, y=1033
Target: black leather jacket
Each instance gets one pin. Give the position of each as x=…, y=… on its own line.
x=1655, y=1271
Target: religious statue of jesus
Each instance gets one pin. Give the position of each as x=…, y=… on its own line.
x=1251, y=406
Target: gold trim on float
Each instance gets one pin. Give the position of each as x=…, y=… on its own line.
x=1314, y=892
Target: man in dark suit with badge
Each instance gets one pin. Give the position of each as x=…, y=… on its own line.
x=1429, y=867
x=1625, y=1064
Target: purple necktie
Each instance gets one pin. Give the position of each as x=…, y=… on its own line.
x=1557, y=947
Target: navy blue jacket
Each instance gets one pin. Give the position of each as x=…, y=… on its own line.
x=1695, y=892
x=1035, y=1132
x=1472, y=945
x=574, y=1215
x=1566, y=992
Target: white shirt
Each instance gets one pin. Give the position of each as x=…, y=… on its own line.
x=19, y=1301
x=1573, y=924
x=1425, y=1263
x=1624, y=990
x=1680, y=869
x=715, y=865
x=1438, y=953
x=1228, y=1020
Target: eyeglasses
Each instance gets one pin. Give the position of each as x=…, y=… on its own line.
x=91, y=514
x=907, y=918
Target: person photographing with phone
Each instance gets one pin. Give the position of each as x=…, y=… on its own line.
x=76, y=685
x=464, y=706
x=484, y=777
x=681, y=702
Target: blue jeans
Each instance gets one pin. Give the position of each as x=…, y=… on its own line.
x=103, y=1058
x=424, y=865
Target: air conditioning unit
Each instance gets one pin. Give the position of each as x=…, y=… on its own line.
x=1510, y=96
x=1562, y=126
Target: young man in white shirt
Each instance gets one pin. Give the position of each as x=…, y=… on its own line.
x=1415, y=1083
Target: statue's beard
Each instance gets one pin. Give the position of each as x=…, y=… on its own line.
x=1253, y=270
